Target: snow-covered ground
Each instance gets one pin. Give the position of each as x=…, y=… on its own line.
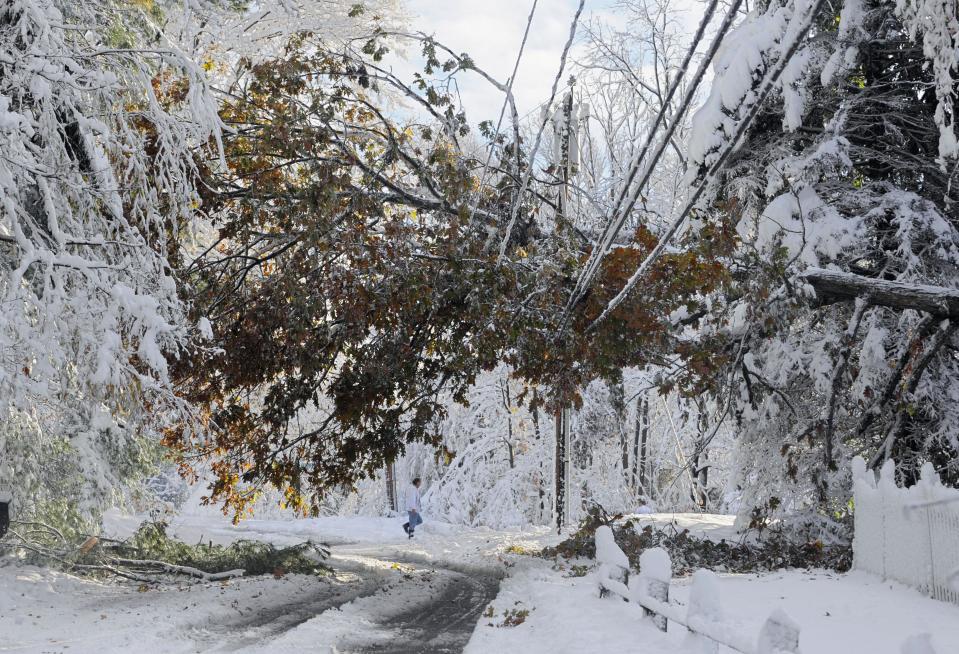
x=712, y=526
x=387, y=588
x=44, y=611
x=389, y=591
x=854, y=613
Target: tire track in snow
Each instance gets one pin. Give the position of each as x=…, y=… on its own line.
x=390, y=607
x=441, y=622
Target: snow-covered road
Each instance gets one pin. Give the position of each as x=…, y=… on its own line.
x=421, y=609
x=388, y=595
x=370, y=605
x=440, y=592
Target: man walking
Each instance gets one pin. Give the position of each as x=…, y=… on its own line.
x=413, y=508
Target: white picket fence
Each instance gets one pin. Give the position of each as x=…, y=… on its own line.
x=910, y=535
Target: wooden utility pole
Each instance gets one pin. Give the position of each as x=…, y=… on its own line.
x=566, y=157
x=562, y=468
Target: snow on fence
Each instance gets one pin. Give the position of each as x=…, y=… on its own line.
x=910, y=535
x=703, y=618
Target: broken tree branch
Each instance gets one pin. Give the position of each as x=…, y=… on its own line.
x=837, y=286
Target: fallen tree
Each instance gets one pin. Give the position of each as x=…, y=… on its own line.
x=152, y=556
x=833, y=286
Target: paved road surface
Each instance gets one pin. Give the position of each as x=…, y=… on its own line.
x=406, y=606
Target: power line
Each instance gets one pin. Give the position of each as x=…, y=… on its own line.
x=539, y=135
x=506, y=101
x=769, y=82
x=596, y=254
x=617, y=221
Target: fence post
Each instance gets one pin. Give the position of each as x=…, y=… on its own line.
x=778, y=634
x=705, y=605
x=613, y=572
x=655, y=573
x=658, y=590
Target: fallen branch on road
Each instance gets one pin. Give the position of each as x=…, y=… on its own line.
x=152, y=556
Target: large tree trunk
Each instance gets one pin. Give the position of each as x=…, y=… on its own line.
x=836, y=286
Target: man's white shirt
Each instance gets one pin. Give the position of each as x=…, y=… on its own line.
x=413, y=499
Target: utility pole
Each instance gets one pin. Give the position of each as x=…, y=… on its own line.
x=566, y=157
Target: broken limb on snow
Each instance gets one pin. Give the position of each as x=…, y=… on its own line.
x=837, y=286
x=190, y=571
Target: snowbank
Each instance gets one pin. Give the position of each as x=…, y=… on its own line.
x=565, y=616
x=838, y=614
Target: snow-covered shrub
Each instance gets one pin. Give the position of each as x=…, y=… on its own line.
x=688, y=553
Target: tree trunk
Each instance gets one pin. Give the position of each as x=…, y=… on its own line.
x=391, y=486
x=617, y=397
x=541, y=483
x=699, y=454
x=560, y=494
x=836, y=286
x=640, y=440
x=508, y=404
